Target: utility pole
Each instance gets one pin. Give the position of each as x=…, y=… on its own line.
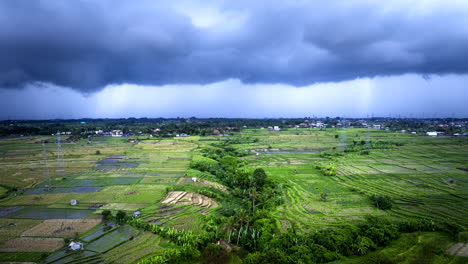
x=60, y=163
x=46, y=167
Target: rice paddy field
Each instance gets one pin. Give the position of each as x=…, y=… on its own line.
x=100, y=174
x=425, y=177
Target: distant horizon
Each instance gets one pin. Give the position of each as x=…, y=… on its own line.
x=251, y=118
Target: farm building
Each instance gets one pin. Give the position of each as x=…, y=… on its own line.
x=136, y=214
x=431, y=134
x=117, y=133
x=73, y=202
x=75, y=245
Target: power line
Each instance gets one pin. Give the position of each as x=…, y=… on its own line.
x=46, y=166
x=60, y=162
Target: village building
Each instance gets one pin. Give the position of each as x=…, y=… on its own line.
x=75, y=245
x=116, y=133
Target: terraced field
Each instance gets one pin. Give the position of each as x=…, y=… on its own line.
x=188, y=198
x=422, y=177
x=143, y=246
x=124, y=176
x=425, y=177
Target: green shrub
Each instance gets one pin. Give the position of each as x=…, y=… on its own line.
x=326, y=169
x=121, y=217
x=365, y=152
x=106, y=215
x=205, y=164
x=382, y=202
x=463, y=236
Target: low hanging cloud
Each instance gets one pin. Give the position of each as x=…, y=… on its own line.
x=89, y=44
x=406, y=95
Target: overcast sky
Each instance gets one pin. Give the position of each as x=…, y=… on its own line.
x=111, y=58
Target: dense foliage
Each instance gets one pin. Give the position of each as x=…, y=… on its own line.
x=382, y=201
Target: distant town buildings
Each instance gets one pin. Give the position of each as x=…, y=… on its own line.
x=435, y=133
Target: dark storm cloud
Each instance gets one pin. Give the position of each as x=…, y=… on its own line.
x=89, y=44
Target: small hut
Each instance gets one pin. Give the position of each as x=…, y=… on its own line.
x=75, y=245
x=73, y=202
x=136, y=214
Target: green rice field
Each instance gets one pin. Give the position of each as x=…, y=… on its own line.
x=425, y=177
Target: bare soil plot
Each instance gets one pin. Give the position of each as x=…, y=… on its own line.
x=189, y=198
x=62, y=227
x=28, y=244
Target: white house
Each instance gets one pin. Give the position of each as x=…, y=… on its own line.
x=117, y=133
x=73, y=202
x=75, y=245
x=431, y=134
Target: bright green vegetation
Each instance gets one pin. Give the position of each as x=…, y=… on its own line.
x=421, y=177
x=417, y=247
x=306, y=194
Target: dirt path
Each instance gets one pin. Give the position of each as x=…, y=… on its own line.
x=459, y=249
x=204, y=182
x=213, y=185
